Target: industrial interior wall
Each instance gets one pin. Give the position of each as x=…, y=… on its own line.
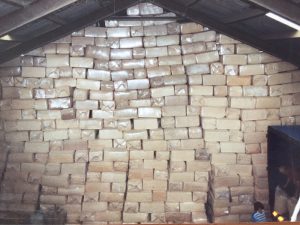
x=142, y=121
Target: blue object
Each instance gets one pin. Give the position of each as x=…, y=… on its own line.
x=258, y=217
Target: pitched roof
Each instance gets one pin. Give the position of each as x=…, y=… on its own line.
x=34, y=23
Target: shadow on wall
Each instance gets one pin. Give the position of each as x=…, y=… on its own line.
x=55, y=216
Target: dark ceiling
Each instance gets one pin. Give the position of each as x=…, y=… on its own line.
x=34, y=23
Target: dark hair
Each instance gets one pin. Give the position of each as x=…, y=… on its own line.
x=258, y=205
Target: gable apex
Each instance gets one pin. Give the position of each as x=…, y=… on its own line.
x=242, y=20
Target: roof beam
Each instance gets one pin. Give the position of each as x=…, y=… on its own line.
x=230, y=30
x=51, y=17
x=60, y=32
x=28, y=14
x=248, y=14
x=143, y=18
x=191, y=3
x=280, y=7
x=56, y=19
x=21, y=3
x=282, y=35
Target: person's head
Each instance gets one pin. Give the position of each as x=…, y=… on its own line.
x=258, y=206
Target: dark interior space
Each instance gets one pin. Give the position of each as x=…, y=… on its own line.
x=283, y=154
